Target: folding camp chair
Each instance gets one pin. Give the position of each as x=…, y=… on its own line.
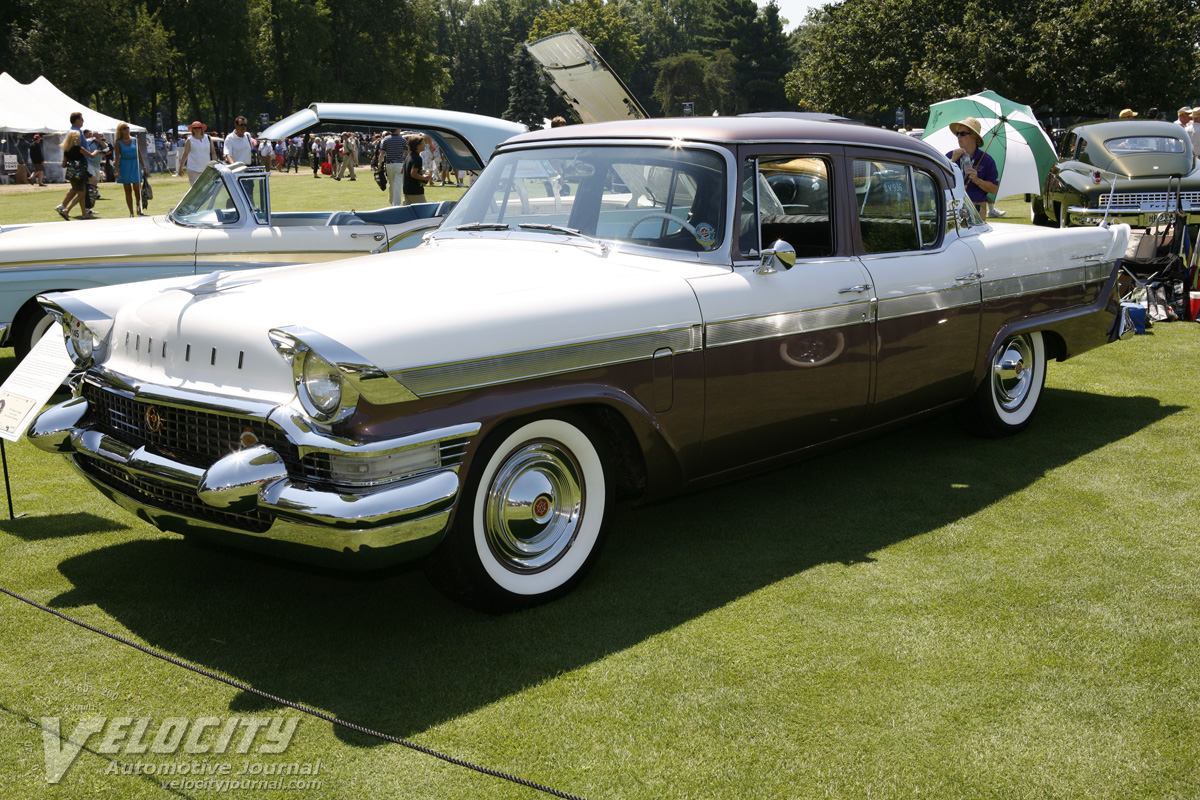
x=1154, y=268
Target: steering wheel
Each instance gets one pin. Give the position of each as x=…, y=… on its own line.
x=660, y=215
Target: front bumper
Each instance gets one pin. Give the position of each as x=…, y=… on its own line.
x=248, y=499
x=1135, y=216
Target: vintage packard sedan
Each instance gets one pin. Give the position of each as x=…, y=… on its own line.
x=1129, y=170
x=226, y=221
x=613, y=312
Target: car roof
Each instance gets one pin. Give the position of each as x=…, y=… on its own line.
x=1106, y=128
x=733, y=130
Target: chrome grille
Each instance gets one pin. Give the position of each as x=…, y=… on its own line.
x=1151, y=199
x=198, y=438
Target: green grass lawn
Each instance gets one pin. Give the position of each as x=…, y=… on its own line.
x=289, y=192
x=924, y=614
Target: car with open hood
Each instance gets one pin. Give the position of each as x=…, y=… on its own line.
x=613, y=312
x=226, y=221
x=1122, y=170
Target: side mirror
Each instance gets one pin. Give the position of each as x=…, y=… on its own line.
x=779, y=255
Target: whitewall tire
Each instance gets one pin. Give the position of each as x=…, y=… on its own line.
x=1007, y=399
x=532, y=516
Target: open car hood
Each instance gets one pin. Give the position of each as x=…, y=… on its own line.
x=583, y=79
x=467, y=139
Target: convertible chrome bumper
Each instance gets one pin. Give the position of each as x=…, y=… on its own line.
x=404, y=518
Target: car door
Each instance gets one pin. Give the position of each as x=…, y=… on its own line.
x=926, y=284
x=256, y=238
x=787, y=350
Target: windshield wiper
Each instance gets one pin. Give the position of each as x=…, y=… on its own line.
x=483, y=226
x=545, y=226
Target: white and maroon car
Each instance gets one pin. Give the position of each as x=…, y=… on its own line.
x=613, y=311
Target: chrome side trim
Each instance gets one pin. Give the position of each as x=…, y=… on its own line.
x=275, y=257
x=84, y=262
x=1046, y=281
x=924, y=302
x=457, y=376
x=772, y=326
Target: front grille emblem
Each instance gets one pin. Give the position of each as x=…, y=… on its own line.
x=248, y=439
x=154, y=420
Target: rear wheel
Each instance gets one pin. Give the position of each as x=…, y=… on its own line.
x=1007, y=398
x=532, y=517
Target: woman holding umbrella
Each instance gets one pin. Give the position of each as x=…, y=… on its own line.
x=978, y=168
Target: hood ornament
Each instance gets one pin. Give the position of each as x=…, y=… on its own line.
x=209, y=284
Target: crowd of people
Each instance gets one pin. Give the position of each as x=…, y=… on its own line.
x=406, y=161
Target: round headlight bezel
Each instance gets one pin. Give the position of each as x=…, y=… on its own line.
x=324, y=393
x=80, y=342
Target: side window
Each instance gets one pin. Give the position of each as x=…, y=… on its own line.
x=793, y=204
x=1067, y=148
x=886, y=209
x=258, y=194
x=928, y=219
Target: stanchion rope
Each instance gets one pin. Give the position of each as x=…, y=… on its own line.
x=429, y=751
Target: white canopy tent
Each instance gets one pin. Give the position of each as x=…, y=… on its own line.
x=41, y=107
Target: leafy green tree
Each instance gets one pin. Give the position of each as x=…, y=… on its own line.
x=527, y=92
x=491, y=30
x=763, y=60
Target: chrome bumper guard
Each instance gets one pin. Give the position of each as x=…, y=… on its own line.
x=256, y=480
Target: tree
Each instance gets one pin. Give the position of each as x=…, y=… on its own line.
x=527, y=93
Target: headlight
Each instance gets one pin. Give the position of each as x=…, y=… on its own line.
x=81, y=342
x=322, y=383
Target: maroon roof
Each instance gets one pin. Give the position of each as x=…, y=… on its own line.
x=734, y=129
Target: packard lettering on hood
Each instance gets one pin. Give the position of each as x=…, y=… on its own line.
x=614, y=312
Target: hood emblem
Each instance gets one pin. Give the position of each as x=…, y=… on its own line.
x=154, y=420
x=248, y=439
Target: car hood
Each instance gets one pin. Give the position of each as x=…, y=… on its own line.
x=580, y=76
x=58, y=242
x=442, y=304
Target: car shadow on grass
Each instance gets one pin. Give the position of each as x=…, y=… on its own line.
x=33, y=529
x=387, y=651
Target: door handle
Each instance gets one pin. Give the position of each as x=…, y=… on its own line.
x=862, y=287
x=378, y=237
x=970, y=276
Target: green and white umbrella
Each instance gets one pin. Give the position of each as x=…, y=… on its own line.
x=1012, y=136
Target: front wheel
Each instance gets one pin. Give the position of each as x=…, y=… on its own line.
x=532, y=517
x=31, y=323
x=1007, y=398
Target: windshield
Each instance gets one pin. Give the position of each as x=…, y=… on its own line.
x=667, y=197
x=206, y=203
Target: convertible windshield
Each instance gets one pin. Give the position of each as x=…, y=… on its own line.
x=667, y=197
x=206, y=203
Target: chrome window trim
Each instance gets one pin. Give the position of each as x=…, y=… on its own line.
x=435, y=379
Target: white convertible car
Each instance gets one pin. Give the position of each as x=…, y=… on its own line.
x=612, y=312
x=226, y=222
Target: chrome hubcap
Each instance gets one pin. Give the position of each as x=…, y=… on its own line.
x=534, y=506
x=1012, y=373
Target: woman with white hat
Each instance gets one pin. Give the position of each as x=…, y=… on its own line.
x=978, y=168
